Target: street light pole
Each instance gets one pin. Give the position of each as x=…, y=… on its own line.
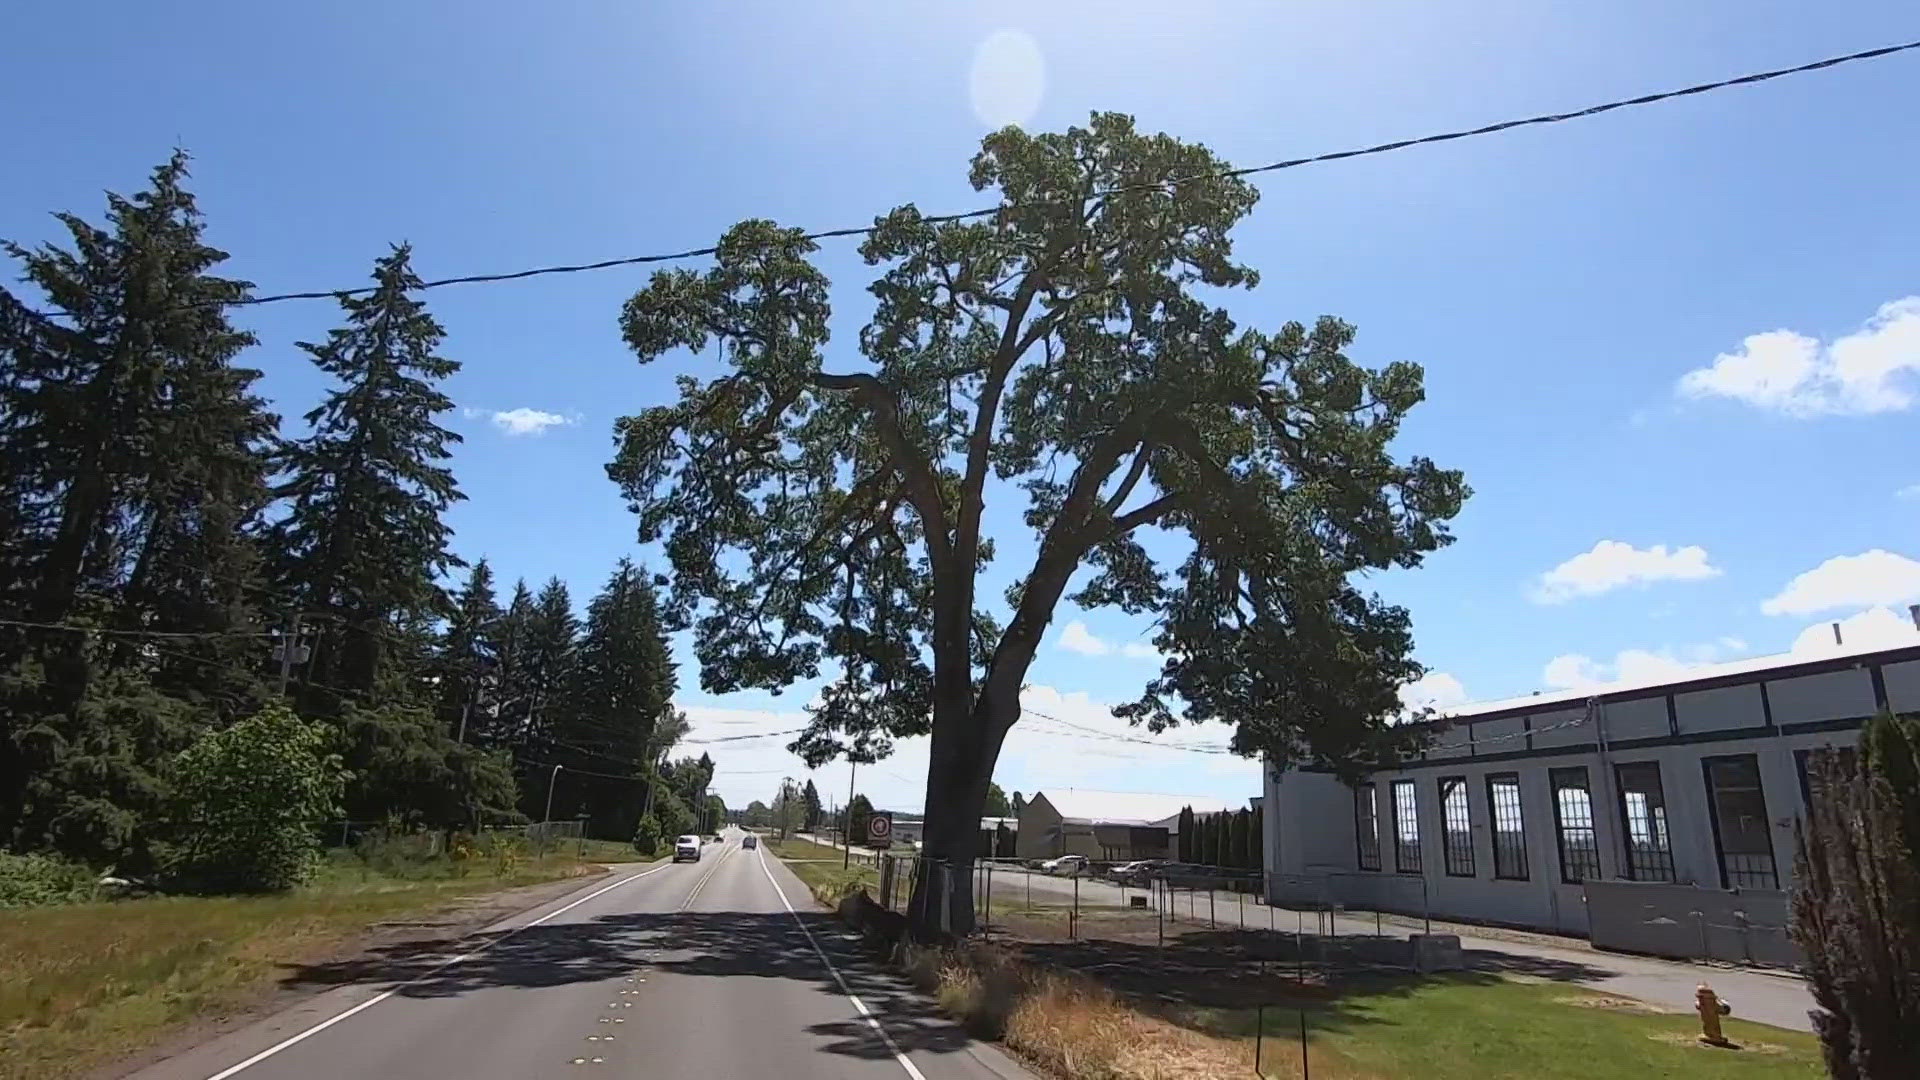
x=552, y=778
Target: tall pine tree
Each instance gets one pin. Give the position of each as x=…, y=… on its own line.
x=133, y=456
x=505, y=723
x=363, y=544
x=469, y=654
x=619, y=703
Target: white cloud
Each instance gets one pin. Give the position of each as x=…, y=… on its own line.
x=1613, y=565
x=1435, y=689
x=1911, y=491
x=1872, y=577
x=1874, y=628
x=1868, y=371
x=522, y=421
x=1075, y=637
x=1576, y=671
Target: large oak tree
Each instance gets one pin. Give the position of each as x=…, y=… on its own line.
x=1070, y=344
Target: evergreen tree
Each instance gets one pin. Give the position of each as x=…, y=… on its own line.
x=812, y=796
x=468, y=654
x=1017, y=803
x=133, y=456
x=363, y=544
x=1187, y=837
x=551, y=634
x=619, y=716
x=1856, y=903
x=507, y=721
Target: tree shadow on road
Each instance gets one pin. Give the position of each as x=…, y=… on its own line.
x=697, y=944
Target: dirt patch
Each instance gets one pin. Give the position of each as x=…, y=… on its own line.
x=1614, y=1004
x=1746, y=1046
x=438, y=930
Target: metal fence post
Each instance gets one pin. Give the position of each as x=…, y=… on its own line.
x=1426, y=906
x=1211, y=924
x=1073, y=917
x=986, y=918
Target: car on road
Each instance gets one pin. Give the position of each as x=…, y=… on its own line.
x=688, y=848
x=1065, y=866
x=749, y=841
x=717, y=839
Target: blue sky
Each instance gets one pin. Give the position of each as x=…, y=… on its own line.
x=1559, y=284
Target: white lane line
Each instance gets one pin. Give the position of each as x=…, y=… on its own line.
x=858, y=1005
x=385, y=994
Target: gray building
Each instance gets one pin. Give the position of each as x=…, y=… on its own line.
x=1656, y=818
x=1105, y=825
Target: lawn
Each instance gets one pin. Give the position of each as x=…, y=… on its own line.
x=1480, y=1028
x=820, y=867
x=88, y=982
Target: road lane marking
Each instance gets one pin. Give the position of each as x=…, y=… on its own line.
x=859, y=1006
x=702, y=883
x=323, y=1025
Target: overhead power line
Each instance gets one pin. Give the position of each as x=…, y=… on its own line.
x=1276, y=166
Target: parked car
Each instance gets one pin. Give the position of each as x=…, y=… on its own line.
x=1065, y=866
x=688, y=848
x=1137, y=872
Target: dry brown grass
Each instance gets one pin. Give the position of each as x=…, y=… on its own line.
x=1073, y=1027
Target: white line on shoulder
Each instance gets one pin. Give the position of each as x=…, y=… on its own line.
x=859, y=1006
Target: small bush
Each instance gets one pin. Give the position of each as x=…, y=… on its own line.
x=251, y=798
x=34, y=880
x=646, y=836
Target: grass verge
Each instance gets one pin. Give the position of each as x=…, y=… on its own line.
x=819, y=866
x=86, y=983
x=1463, y=1027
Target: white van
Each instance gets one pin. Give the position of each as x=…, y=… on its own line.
x=687, y=847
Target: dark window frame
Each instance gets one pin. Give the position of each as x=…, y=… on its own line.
x=1456, y=852
x=1771, y=875
x=1406, y=856
x=1518, y=850
x=1655, y=863
x=1366, y=855
x=1573, y=871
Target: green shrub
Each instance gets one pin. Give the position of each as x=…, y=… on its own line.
x=34, y=880
x=251, y=800
x=646, y=836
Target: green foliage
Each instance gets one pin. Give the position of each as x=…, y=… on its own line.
x=251, y=802
x=1188, y=840
x=757, y=814
x=468, y=654
x=1856, y=904
x=858, y=811
x=811, y=796
x=996, y=804
x=829, y=524
x=647, y=835
x=34, y=880
x=405, y=766
x=133, y=454
x=1016, y=805
x=363, y=543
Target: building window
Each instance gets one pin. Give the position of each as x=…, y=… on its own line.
x=1366, y=826
x=1643, y=812
x=1458, y=820
x=1741, y=830
x=1809, y=775
x=1406, y=828
x=1573, y=819
x=1509, y=827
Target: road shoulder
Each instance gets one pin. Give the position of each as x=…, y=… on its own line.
x=292, y=1002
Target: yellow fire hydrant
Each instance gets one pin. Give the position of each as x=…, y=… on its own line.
x=1711, y=1009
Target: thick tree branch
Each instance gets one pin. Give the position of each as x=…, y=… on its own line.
x=1134, y=472
x=916, y=469
x=1145, y=515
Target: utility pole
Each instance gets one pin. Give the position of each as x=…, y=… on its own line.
x=846, y=826
x=289, y=644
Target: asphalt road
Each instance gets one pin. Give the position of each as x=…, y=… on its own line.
x=697, y=970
